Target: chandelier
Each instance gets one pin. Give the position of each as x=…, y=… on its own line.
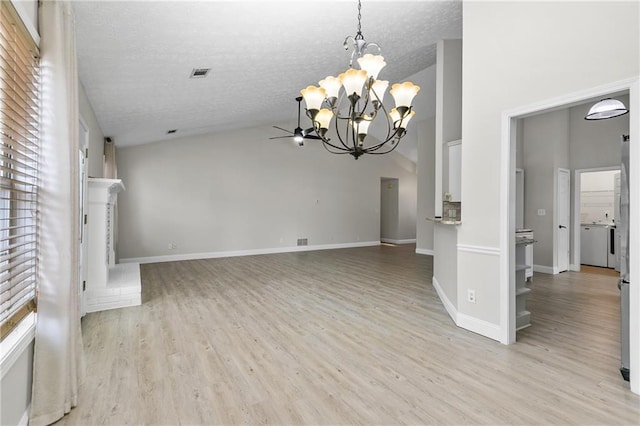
x=354, y=99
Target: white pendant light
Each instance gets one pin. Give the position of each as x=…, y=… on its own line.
x=606, y=108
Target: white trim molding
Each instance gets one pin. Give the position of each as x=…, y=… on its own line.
x=475, y=325
x=24, y=420
x=448, y=306
x=484, y=328
x=16, y=342
x=545, y=269
x=428, y=252
x=490, y=251
x=391, y=241
x=250, y=252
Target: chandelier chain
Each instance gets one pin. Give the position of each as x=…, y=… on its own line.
x=359, y=35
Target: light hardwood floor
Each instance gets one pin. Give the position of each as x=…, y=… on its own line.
x=354, y=336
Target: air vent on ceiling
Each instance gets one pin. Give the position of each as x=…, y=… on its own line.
x=171, y=131
x=200, y=72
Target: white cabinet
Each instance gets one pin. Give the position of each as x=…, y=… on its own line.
x=524, y=241
x=109, y=285
x=593, y=245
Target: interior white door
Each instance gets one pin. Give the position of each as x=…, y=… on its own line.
x=563, y=219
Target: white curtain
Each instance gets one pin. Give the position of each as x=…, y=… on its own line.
x=58, y=344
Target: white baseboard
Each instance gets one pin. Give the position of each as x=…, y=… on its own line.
x=24, y=420
x=428, y=252
x=448, y=306
x=390, y=241
x=484, y=328
x=575, y=268
x=252, y=252
x=543, y=269
x=475, y=325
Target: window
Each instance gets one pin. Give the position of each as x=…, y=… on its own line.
x=19, y=146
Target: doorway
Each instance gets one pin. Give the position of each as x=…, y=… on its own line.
x=594, y=207
x=630, y=87
x=389, y=215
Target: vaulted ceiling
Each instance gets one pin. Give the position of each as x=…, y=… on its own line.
x=135, y=57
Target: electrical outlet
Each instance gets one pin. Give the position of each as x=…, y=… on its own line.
x=471, y=296
x=542, y=212
x=173, y=246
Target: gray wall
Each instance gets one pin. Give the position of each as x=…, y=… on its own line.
x=96, y=137
x=448, y=127
x=426, y=185
x=546, y=147
x=563, y=139
x=240, y=191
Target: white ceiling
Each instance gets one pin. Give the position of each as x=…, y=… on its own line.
x=135, y=57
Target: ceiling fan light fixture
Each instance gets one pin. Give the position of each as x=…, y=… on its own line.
x=606, y=108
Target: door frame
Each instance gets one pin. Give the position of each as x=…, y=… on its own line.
x=575, y=259
x=507, y=207
x=83, y=144
x=556, y=223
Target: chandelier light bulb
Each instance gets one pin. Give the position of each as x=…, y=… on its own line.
x=372, y=64
x=362, y=126
x=313, y=97
x=403, y=94
x=379, y=87
x=405, y=120
x=353, y=80
x=323, y=118
x=331, y=85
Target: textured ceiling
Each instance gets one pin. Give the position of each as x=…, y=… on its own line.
x=135, y=57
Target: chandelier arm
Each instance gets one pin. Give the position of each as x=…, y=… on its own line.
x=345, y=145
x=394, y=146
x=387, y=117
x=341, y=150
x=326, y=142
x=374, y=148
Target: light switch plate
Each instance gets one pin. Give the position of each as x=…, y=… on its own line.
x=542, y=212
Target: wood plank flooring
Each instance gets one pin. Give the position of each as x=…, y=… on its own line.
x=354, y=336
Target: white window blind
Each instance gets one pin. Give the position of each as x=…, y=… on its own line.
x=19, y=147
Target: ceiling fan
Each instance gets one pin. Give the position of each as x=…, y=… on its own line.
x=299, y=134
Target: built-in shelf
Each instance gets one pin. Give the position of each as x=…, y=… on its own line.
x=523, y=267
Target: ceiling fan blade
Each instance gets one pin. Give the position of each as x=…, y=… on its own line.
x=312, y=137
x=281, y=137
x=284, y=130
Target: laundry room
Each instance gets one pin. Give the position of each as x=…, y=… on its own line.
x=599, y=242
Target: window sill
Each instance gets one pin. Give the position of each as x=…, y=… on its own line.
x=16, y=342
